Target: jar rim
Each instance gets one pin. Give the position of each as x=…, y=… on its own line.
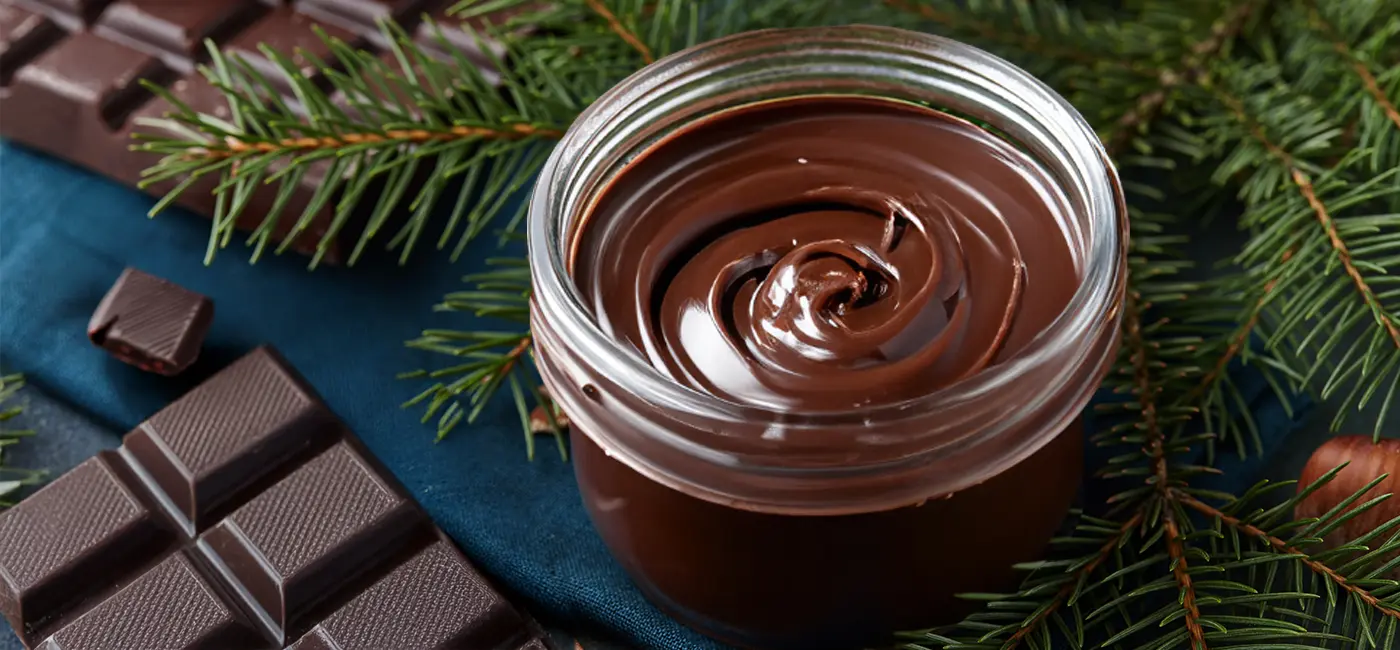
x=1092, y=307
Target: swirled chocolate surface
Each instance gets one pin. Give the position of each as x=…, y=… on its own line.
x=827, y=253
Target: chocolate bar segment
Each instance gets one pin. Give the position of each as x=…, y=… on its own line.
x=72, y=14
x=84, y=528
x=151, y=323
x=361, y=16
x=319, y=544
x=230, y=431
x=434, y=600
x=84, y=81
x=291, y=34
x=173, y=30
x=172, y=607
x=310, y=533
x=23, y=34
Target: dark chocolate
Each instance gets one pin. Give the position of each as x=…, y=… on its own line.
x=71, y=72
x=243, y=516
x=765, y=258
x=434, y=600
x=151, y=323
x=79, y=532
x=172, y=606
x=221, y=436
x=823, y=256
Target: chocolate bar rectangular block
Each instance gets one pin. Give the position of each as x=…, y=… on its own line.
x=242, y=516
x=71, y=75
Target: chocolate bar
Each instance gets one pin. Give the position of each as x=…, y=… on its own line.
x=71, y=73
x=245, y=516
x=151, y=323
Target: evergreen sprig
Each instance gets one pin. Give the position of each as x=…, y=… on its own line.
x=490, y=360
x=12, y=479
x=1276, y=115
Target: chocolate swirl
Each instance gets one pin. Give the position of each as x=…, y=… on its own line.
x=827, y=253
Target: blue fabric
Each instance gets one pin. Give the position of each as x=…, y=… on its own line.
x=66, y=234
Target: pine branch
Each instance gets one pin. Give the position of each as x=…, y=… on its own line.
x=488, y=361
x=1192, y=68
x=1385, y=608
x=378, y=124
x=622, y=32
x=1181, y=571
x=1011, y=31
x=12, y=479
x=1359, y=66
x=1309, y=313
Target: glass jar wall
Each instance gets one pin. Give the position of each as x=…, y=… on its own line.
x=768, y=522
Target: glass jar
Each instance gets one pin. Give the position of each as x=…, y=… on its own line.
x=752, y=525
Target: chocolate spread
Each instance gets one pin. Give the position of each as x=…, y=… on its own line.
x=827, y=254
x=815, y=255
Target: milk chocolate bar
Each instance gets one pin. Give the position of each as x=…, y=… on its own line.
x=71, y=73
x=242, y=516
x=151, y=323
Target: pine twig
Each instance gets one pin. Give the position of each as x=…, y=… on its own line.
x=1067, y=592
x=992, y=33
x=12, y=479
x=233, y=146
x=1303, y=183
x=1362, y=70
x=1238, y=341
x=1146, y=391
x=621, y=30
x=1283, y=547
x=511, y=359
x=1194, y=65
x=1180, y=569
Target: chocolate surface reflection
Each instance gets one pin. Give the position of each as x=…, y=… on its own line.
x=827, y=253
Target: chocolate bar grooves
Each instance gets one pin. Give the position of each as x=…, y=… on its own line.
x=243, y=511
x=239, y=593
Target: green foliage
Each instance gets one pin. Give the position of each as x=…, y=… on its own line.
x=490, y=360
x=1276, y=116
x=12, y=479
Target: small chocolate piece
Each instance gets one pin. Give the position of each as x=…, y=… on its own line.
x=227, y=433
x=317, y=542
x=151, y=323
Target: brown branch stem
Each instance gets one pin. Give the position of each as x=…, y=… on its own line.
x=1177, y=551
x=512, y=357
x=621, y=30
x=991, y=33
x=1136, y=343
x=1363, y=71
x=1283, y=547
x=233, y=146
x=1303, y=183
x=1192, y=68
x=1067, y=591
x=1238, y=342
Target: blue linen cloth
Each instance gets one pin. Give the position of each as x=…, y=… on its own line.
x=65, y=235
